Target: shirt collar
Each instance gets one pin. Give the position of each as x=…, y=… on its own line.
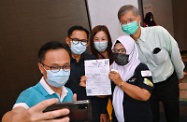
x=50, y=91
x=142, y=35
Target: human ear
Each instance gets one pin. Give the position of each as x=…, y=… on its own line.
x=139, y=20
x=40, y=68
x=88, y=43
x=68, y=41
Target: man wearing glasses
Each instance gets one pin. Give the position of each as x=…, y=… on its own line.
x=77, y=39
x=54, y=64
x=160, y=52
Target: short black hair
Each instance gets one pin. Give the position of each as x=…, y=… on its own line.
x=77, y=27
x=52, y=45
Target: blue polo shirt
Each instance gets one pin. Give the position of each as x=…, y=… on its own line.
x=40, y=92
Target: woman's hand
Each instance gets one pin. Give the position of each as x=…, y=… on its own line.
x=83, y=81
x=115, y=77
x=104, y=118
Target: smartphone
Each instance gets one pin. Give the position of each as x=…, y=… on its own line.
x=80, y=111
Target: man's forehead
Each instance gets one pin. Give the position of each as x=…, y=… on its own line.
x=57, y=54
x=60, y=64
x=79, y=34
x=128, y=15
x=57, y=62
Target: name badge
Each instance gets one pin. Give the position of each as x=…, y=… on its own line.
x=146, y=73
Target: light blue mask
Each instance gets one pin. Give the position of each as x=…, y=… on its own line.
x=101, y=45
x=130, y=28
x=77, y=48
x=57, y=79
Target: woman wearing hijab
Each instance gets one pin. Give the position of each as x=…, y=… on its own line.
x=132, y=83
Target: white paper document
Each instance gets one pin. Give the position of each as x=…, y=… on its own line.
x=98, y=82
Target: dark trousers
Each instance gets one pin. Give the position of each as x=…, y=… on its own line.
x=166, y=92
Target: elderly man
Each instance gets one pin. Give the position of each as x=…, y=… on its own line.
x=160, y=52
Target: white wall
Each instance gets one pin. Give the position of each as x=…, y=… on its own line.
x=104, y=12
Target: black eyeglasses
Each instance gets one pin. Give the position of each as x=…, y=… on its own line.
x=56, y=69
x=84, y=42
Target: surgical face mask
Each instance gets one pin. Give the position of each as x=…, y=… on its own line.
x=130, y=28
x=77, y=48
x=121, y=59
x=101, y=45
x=57, y=79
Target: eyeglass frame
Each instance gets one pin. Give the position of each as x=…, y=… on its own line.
x=130, y=20
x=57, y=68
x=76, y=41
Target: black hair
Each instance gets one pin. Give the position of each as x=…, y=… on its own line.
x=77, y=27
x=52, y=45
x=147, y=19
x=118, y=41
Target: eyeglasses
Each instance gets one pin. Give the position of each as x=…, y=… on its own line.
x=122, y=50
x=128, y=21
x=84, y=42
x=56, y=69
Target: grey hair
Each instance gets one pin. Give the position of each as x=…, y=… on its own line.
x=124, y=9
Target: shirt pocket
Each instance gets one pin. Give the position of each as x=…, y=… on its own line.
x=160, y=57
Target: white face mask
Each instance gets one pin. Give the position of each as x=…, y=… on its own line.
x=101, y=45
x=77, y=48
x=57, y=79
